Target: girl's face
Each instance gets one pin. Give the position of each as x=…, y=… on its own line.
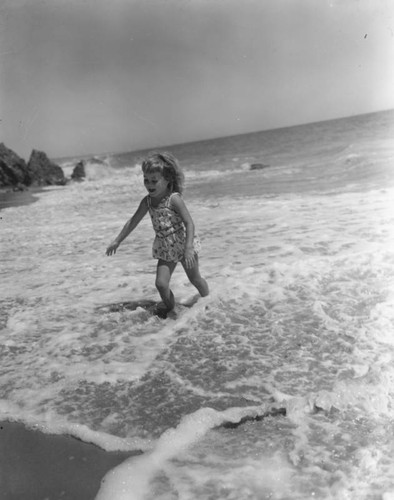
x=156, y=185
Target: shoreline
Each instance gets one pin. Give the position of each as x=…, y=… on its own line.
x=18, y=198
x=37, y=466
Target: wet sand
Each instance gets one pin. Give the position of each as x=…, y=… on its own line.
x=38, y=466
x=10, y=198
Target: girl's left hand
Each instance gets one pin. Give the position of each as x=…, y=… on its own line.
x=189, y=257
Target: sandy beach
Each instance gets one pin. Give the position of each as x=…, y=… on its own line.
x=38, y=466
x=10, y=198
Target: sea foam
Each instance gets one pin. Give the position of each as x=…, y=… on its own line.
x=299, y=260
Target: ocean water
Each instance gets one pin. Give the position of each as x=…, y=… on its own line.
x=280, y=384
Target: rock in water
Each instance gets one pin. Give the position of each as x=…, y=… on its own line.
x=92, y=168
x=13, y=169
x=258, y=166
x=43, y=171
x=79, y=171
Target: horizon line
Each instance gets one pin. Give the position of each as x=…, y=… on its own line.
x=215, y=138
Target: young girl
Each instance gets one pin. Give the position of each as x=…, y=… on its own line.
x=175, y=238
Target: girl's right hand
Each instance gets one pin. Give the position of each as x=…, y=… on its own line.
x=112, y=248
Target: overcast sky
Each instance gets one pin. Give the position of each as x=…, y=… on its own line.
x=93, y=76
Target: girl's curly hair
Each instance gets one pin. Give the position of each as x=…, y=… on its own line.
x=168, y=166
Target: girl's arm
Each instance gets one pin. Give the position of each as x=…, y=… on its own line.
x=130, y=225
x=180, y=207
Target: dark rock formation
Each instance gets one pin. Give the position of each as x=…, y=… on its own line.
x=79, y=171
x=40, y=171
x=13, y=169
x=43, y=171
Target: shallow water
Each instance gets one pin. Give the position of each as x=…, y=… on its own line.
x=295, y=342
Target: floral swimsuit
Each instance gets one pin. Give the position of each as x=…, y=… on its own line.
x=169, y=244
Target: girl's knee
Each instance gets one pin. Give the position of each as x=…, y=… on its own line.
x=162, y=284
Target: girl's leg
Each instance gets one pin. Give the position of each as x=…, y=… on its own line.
x=163, y=275
x=195, y=278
